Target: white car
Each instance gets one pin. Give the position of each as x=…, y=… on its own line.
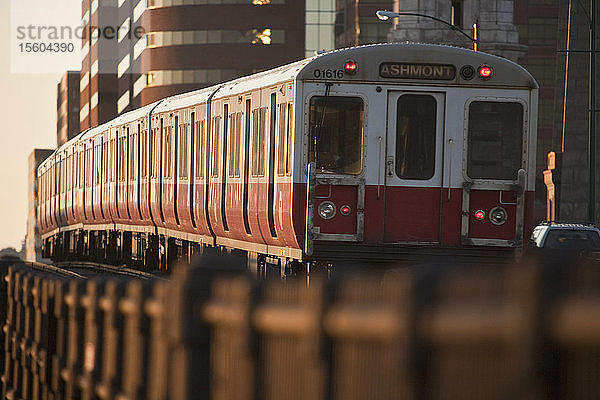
x=565, y=236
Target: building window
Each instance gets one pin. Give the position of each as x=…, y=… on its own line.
x=170, y=3
x=372, y=30
x=199, y=76
x=457, y=11
x=265, y=36
x=320, y=26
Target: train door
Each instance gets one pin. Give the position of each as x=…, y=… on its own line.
x=337, y=159
x=495, y=161
x=414, y=167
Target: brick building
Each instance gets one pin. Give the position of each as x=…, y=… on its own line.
x=33, y=242
x=67, y=104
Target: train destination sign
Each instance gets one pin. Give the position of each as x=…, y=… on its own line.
x=445, y=72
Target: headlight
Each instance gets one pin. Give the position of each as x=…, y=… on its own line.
x=326, y=210
x=498, y=215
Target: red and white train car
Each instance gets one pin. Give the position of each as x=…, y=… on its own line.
x=377, y=152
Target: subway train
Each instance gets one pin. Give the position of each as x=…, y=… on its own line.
x=376, y=153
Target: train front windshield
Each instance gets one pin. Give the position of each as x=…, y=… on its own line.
x=495, y=140
x=336, y=134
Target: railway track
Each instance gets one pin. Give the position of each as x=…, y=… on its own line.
x=86, y=270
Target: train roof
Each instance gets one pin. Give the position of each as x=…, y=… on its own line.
x=371, y=58
x=368, y=58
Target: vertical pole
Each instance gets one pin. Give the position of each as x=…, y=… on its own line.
x=476, y=35
x=592, y=116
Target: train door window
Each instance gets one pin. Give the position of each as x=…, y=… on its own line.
x=258, y=140
x=237, y=143
x=193, y=140
x=289, y=139
x=495, y=140
x=281, y=140
x=112, y=159
x=144, y=153
x=231, y=145
x=66, y=174
x=95, y=163
x=133, y=150
x=215, y=150
x=183, y=151
x=336, y=134
x=78, y=169
x=88, y=168
x=71, y=171
x=122, y=158
x=225, y=138
x=104, y=165
x=200, y=149
x=151, y=154
x=255, y=142
x=175, y=155
x=168, y=151
x=261, y=140
x=416, y=136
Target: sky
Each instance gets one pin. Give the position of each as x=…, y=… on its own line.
x=28, y=118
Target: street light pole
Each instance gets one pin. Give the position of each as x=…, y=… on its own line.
x=592, y=116
x=385, y=15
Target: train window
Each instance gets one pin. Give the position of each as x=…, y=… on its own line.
x=258, y=141
x=415, y=136
x=336, y=134
x=289, y=139
x=281, y=140
x=262, y=114
x=495, y=140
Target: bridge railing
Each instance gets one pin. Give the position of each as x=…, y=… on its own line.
x=529, y=331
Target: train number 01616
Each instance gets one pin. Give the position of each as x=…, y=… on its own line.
x=328, y=73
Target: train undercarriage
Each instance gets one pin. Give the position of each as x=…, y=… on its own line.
x=155, y=252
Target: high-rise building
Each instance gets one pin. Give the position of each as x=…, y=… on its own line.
x=67, y=104
x=98, y=83
x=139, y=51
x=33, y=242
x=356, y=23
